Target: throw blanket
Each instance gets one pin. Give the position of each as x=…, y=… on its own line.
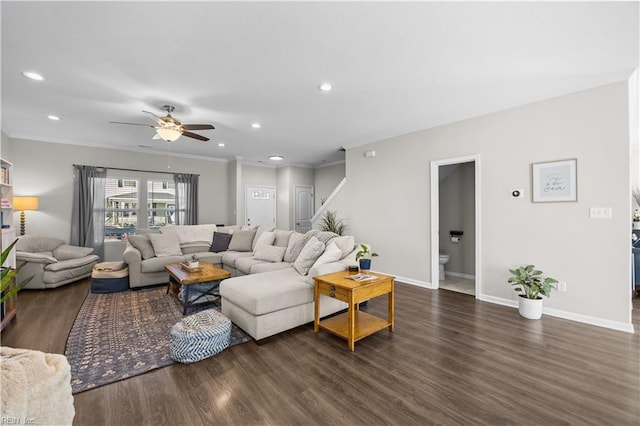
x=36, y=388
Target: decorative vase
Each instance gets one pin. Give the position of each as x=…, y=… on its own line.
x=365, y=264
x=530, y=308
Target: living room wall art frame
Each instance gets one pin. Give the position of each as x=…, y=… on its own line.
x=554, y=181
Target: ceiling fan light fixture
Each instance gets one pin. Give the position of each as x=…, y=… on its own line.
x=169, y=134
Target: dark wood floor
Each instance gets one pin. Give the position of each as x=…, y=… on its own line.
x=452, y=360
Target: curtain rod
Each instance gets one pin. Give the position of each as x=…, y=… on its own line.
x=135, y=170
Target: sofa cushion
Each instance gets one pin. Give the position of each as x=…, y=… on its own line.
x=259, y=232
x=166, y=244
x=191, y=234
x=156, y=264
x=71, y=263
x=309, y=254
x=346, y=243
x=241, y=240
x=230, y=229
x=66, y=252
x=41, y=257
x=143, y=244
x=192, y=249
x=257, y=295
x=244, y=264
x=269, y=253
x=229, y=257
x=282, y=237
x=36, y=244
x=295, y=246
x=261, y=267
x=265, y=238
x=332, y=253
x=220, y=242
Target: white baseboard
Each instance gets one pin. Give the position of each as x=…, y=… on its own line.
x=417, y=283
x=460, y=275
x=586, y=319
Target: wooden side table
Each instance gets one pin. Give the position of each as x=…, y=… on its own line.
x=354, y=324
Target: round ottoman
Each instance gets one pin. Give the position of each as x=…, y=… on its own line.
x=199, y=336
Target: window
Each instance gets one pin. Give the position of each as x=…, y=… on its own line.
x=141, y=200
x=161, y=203
x=121, y=208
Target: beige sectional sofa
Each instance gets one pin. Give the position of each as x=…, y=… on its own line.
x=271, y=289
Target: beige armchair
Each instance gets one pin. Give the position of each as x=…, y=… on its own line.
x=51, y=262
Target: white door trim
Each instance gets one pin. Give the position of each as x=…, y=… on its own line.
x=435, y=217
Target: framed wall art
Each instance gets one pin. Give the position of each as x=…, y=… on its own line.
x=555, y=181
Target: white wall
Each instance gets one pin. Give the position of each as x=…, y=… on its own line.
x=326, y=179
x=46, y=170
x=387, y=200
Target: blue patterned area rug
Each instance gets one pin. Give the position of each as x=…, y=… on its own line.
x=121, y=335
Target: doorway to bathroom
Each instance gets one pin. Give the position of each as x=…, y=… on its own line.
x=455, y=224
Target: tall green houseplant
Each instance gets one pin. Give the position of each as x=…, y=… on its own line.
x=331, y=223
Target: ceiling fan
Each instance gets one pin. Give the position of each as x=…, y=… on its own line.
x=170, y=129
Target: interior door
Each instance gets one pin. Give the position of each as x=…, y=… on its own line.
x=260, y=205
x=304, y=208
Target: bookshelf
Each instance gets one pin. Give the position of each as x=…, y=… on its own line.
x=9, y=308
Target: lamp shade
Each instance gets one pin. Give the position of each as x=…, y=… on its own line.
x=25, y=203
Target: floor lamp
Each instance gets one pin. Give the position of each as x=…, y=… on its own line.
x=23, y=204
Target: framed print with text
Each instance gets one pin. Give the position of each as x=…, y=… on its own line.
x=554, y=181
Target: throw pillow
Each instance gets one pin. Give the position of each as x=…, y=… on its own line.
x=331, y=254
x=282, y=238
x=309, y=254
x=296, y=244
x=269, y=253
x=220, y=242
x=67, y=252
x=143, y=244
x=264, y=239
x=165, y=244
x=259, y=231
x=241, y=240
x=346, y=243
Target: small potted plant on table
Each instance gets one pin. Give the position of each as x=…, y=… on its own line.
x=363, y=256
x=531, y=284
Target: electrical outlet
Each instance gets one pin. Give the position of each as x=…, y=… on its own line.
x=600, y=212
x=562, y=286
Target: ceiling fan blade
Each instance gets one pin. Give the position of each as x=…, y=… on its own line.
x=132, y=124
x=198, y=127
x=149, y=112
x=194, y=136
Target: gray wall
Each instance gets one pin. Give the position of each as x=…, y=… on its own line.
x=46, y=170
x=387, y=199
x=457, y=212
x=326, y=180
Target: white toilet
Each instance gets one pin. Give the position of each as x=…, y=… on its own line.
x=444, y=258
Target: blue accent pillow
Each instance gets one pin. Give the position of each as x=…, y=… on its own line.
x=220, y=242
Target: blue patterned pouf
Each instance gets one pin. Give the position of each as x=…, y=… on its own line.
x=199, y=336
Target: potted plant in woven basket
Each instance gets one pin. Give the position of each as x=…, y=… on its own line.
x=531, y=285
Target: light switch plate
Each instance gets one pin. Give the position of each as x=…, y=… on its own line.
x=600, y=213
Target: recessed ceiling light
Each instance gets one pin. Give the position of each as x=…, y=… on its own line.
x=256, y=125
x=325, y=87
x=53, y=117
x=33, y=75
x=221, y=145
x=276, y=157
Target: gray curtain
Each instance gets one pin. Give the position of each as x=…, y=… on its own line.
x=87, y=217
x=186, y=198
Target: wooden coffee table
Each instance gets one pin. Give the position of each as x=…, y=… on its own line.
x=354, y=324
x=180, y=276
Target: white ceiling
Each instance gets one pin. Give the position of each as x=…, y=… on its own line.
x=396, y=68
